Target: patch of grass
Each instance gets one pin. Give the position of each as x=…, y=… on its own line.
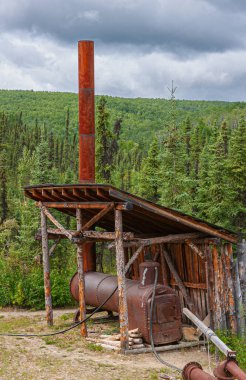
x=9, y=325
x=104, y=365
x=65, y=317
x=153, y=375
x=235, y=343
x=113, y=329
x=49, y=341
x=94, y=347
x=1, y=316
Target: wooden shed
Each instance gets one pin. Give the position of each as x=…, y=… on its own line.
x=196, y=257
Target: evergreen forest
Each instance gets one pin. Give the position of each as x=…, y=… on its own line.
x=186, y=155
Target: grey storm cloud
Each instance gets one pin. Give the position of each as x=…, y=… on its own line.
x=177, y=26
x=140, y=46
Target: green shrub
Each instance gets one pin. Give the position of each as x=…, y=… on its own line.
x=235, y=343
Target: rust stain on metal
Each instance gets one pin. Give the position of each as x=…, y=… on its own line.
x=194, y=371
x=232, y=367
x=167, y=314
x=86, y=111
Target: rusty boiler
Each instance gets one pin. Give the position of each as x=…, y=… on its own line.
x=166, y=313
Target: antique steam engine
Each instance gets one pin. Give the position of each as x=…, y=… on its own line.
x=166, y=313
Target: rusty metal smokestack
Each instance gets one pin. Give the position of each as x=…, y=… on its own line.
x=87, y=131
x=86, y=112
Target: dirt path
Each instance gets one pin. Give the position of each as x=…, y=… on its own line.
x=70, y=357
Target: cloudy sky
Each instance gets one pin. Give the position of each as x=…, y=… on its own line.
x=140, y=46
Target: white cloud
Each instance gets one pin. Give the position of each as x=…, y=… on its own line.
x=140, y=46
x=39, y=63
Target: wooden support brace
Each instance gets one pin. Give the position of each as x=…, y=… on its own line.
x=46, y=268
x=179, y=281
x=54, y=221
x=53, y=247
x=123, y=312
x=81, y=277
x=97, y=217
x=133, y=258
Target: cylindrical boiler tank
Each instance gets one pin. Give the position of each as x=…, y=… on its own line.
x=166, y=313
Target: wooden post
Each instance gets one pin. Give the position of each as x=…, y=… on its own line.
x=217, y=316
x=210, y=284
x=241, y=253
x=81, y=276
x=230, y=287
x=123, y=312
x=46, y=266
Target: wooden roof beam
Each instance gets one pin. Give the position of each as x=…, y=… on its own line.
x=175, y=238
x=87, y=205
x=105, y=235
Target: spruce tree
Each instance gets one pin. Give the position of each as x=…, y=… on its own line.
x=215, y=193
x=150, y=173
x=237, y=180
x=103, y=143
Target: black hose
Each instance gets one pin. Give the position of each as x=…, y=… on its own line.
x=69, y=328
x=151, y=327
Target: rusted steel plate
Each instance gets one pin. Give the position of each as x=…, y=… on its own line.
x=167, y=314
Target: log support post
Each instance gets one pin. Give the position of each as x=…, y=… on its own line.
x=46, y=267
x=123, y=312
x=210, y=285
x=241, y=261
x=81, y=276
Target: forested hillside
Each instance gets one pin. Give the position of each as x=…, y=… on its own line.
x=187, y=155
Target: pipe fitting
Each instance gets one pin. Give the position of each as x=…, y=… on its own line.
x=229, y=370
x=221, y=372
x=194, y=371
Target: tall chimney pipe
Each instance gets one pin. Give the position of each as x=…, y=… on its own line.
x=87, y=131
x=86, y=112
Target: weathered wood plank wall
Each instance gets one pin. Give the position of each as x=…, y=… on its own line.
x=208, y=273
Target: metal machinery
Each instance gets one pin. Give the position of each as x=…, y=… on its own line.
x=167, y=311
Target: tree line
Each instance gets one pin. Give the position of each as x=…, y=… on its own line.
x=194, y=165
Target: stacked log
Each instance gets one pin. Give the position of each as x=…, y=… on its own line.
x=112, y=342
x=135, y=339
